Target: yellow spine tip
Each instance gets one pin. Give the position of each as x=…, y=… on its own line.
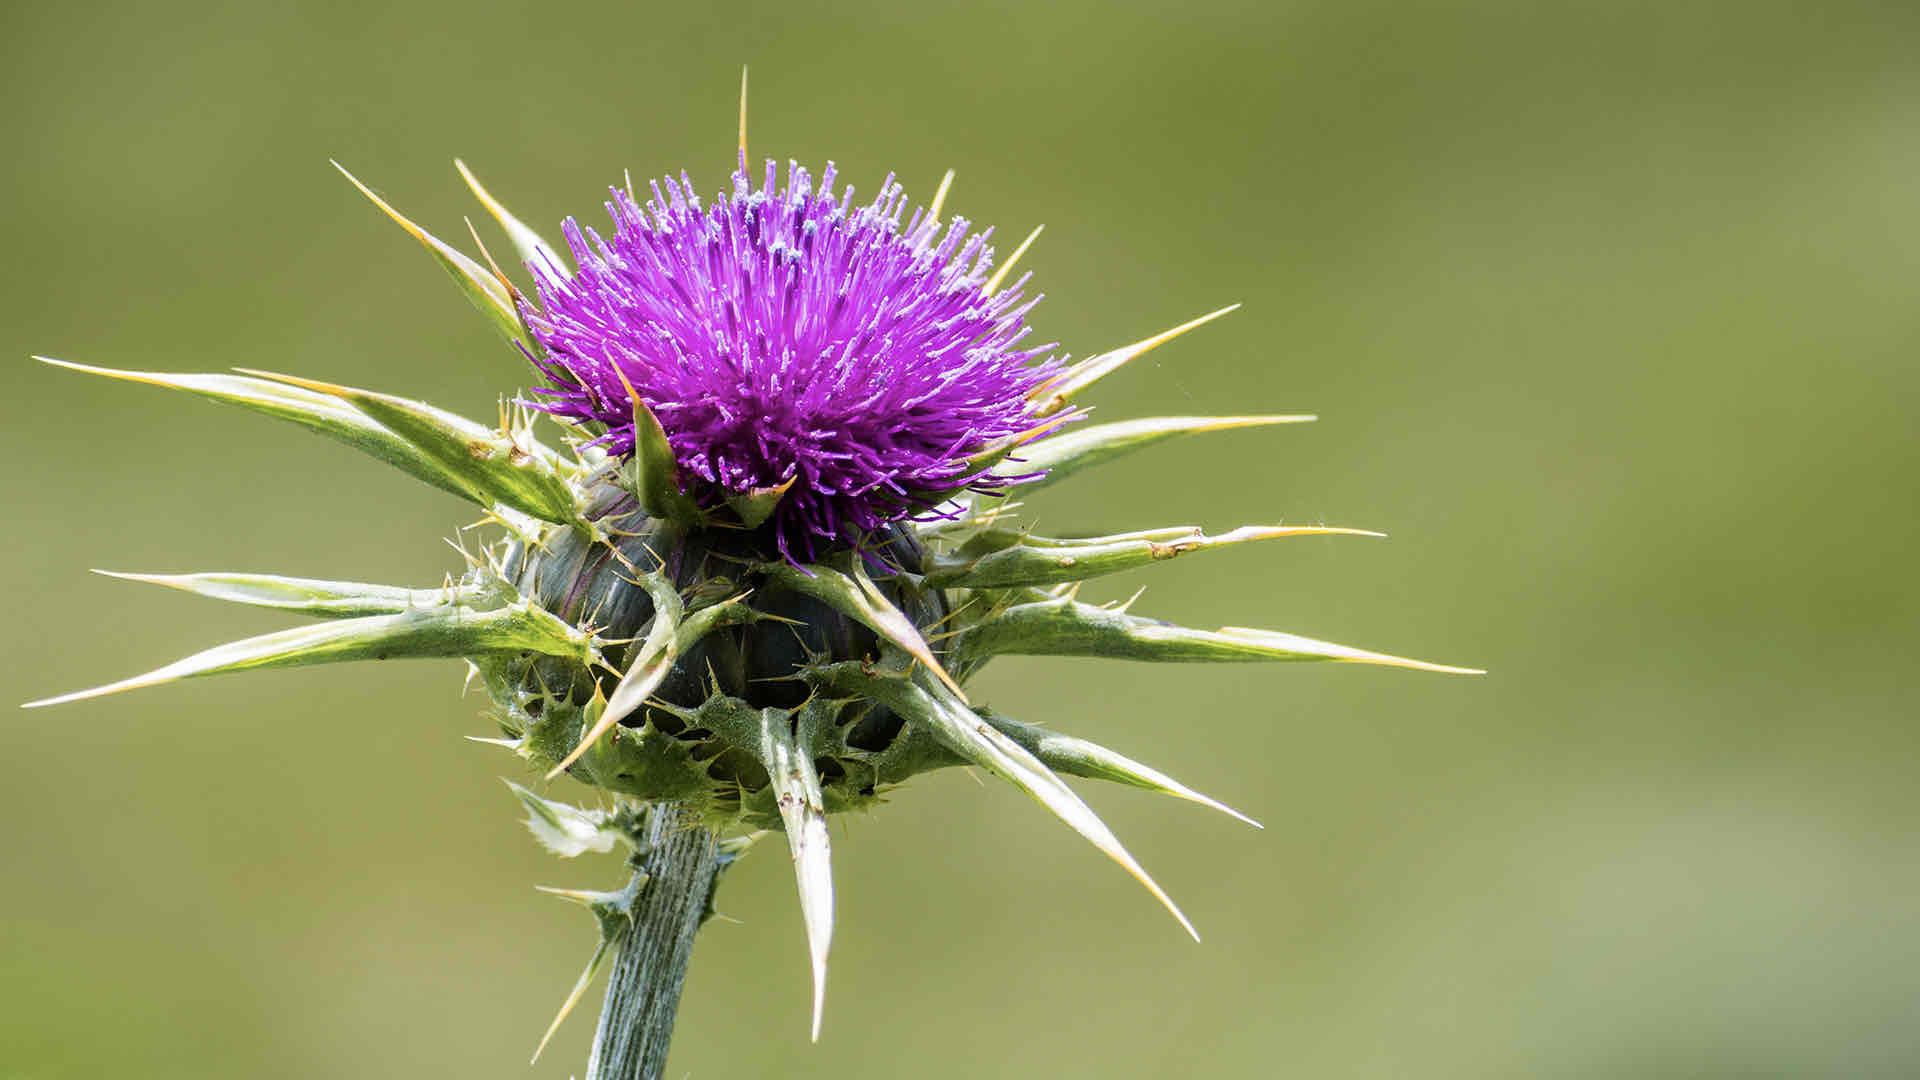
x=939, y=198
x=743, y=117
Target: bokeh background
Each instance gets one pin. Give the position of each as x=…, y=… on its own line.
x=1608, y=309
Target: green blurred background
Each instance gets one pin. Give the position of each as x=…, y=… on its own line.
x=1609, y=313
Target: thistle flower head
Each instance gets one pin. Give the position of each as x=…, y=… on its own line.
x=786, y=335
x=833, y=378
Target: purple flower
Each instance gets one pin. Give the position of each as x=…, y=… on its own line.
x=784, y=335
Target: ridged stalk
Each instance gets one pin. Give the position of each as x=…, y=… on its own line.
x=680, y=861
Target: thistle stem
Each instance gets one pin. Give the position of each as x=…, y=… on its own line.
x=680, y=862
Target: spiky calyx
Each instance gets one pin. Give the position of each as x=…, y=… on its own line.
x=697, y=737
x=675, y=652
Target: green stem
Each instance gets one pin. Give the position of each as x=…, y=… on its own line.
x=680, y=863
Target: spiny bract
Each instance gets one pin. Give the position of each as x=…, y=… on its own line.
x=778, y=537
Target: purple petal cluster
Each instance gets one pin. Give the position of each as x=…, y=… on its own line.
x=785, y=334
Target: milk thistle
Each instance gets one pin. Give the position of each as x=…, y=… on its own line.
x=775, y=538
